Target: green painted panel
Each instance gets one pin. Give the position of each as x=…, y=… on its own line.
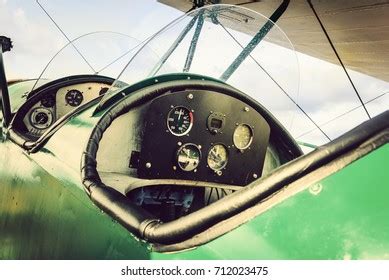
x=345, y=216
x=44, y=217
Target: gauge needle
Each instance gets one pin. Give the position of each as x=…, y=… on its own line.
x=179, y=114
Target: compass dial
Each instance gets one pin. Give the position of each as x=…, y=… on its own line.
x=74, y=97
x=180, y=121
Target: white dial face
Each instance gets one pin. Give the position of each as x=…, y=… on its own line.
x=180, y=121
x=41, y=118
x=217, y=157
x=243, y=136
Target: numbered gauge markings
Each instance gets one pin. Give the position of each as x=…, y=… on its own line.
x=180, y=120
x=74, y=97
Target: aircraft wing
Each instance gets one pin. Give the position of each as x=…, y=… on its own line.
x=359, y=29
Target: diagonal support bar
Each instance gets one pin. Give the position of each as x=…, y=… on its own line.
x=255, y=41
x=174, y=46
x=193, y=44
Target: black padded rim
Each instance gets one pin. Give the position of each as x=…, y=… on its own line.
x=143, y=225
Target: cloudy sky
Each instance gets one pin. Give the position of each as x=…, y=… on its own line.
x=321, y=88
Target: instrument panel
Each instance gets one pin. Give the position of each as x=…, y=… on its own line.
x=57, y=103
x=204, y=136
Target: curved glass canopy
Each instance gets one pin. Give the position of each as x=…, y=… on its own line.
x=233, y=44
x=98, y=53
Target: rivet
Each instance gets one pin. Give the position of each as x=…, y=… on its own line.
x=148, y=165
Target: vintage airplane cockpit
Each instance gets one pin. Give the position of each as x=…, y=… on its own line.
x=199, y=128
x=197, y=114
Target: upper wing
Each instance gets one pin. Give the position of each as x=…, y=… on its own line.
x=359, y=29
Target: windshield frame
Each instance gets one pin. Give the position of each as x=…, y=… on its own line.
x=198, y=15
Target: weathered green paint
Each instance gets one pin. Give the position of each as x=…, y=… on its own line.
x=345, y=216
x=43, y=217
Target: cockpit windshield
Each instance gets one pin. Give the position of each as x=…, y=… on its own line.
x=96, y=53
x=230, y=43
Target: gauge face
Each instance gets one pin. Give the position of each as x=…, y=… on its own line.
x=48, y=101
x=74, y=97
x=243, y=136
x=41, y=118
x=217, y=157
x=188, y=157
x=180, y=121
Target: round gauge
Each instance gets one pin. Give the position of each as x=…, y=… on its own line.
x=74, y=97
x=180, y=121
x=243, y=136
x=217, y=157
x=188, y=157
x=48, y=101
x=41, y=118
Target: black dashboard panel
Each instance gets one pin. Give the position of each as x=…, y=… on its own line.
x=204, y=136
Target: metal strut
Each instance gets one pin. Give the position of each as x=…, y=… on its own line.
x=193, y=44
x=255, y=41
x=5, y=106
x=174, y=46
